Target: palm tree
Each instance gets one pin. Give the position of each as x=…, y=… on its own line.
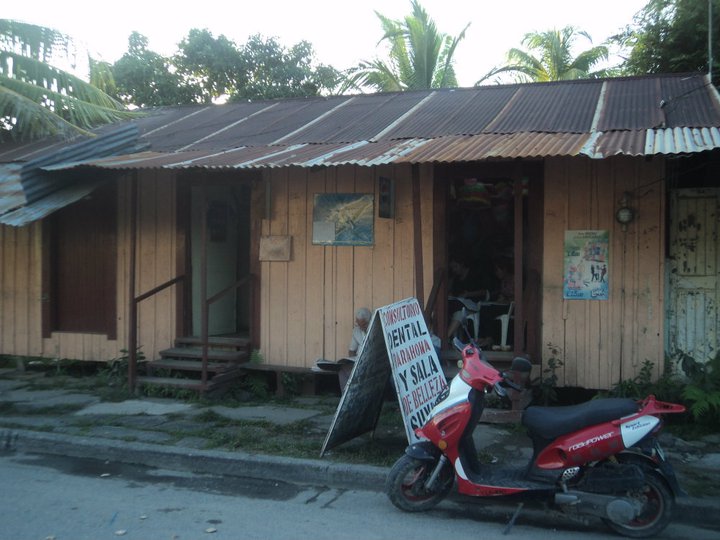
x=39, y=99
x=548, y=58
x=420, y=57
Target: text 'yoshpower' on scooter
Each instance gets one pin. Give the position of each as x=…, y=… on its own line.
x=600, y=458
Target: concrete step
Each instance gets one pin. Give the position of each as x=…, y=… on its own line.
x=187, y=384
x=191, y=365
x=215, y=341
x=213, y=354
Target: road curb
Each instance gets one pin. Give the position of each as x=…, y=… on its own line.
x=322, y=472
x=689, y=510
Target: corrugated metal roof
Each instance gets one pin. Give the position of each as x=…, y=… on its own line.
x=11, y=192
x=47, y=205
x=665, y=114
x=626, y=104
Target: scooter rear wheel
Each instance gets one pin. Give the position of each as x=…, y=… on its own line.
x=405, y=485
x=657, y=510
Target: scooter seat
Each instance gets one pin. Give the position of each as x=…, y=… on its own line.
x=551, y=422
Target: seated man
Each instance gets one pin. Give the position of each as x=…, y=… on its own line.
x=344, y=366
x=362, y=320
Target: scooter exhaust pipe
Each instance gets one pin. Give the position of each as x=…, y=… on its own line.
x=616, y=509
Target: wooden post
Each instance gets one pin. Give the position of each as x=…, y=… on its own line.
x=132, y=304
x=518, y=323
x=417, y=237
x=205, y=309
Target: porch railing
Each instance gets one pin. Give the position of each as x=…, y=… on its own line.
x=132, y=324
x=205, y=319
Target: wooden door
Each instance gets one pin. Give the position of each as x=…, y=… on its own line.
x=694, y=289
x=83, y=265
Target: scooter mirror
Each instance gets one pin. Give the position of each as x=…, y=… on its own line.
x=459, y=345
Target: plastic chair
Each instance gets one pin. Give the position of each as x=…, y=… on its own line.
x=474, y=317
x=504, y=324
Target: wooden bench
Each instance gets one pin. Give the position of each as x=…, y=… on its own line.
x=280, y=370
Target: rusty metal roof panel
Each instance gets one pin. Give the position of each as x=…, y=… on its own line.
x=362, y=117
x=631, y=104
x=383, y=152
x=659, y=103
x=690, y=101
x=303, y=155
x=455, y=112
x=269, y=125
x=245, y=157
x=550, y=107
x=497, y=146
x=140, y=160
x=605, y=144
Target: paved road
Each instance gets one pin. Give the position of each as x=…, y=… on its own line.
x=70, y=498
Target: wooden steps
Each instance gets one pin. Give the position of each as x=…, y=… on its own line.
x=181, y=366
x=214, y=355
x=172, y=382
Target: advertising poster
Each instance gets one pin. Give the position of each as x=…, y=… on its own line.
x=586, y=268
x=398, y=343
x=418, y=375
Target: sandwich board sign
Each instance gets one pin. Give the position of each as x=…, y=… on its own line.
x=397, y=344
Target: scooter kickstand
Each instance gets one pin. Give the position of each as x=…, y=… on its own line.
x=513, y=518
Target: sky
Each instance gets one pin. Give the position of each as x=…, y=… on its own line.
x=342, y=32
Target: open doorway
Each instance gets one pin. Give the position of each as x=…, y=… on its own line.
x=481, y=265
x=493, y=253
x=226, y=211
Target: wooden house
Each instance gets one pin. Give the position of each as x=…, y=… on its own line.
x=274, y=221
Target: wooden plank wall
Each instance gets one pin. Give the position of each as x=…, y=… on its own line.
x=604, y=342
x=21, y=282
x=20, y=291
x=308, y=304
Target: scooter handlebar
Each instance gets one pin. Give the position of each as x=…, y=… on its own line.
x=509, y=382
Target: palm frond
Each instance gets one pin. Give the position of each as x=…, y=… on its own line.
x=55, y=112
x=22, y=118
x=419, y=56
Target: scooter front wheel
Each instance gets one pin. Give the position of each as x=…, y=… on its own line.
x=405, y=485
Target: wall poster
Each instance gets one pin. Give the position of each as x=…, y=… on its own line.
x=586, y=273
x=343, y=219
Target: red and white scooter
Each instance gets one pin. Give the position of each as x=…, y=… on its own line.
x=599, y=458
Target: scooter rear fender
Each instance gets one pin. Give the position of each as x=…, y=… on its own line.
x=423, y=450
x=650, y=456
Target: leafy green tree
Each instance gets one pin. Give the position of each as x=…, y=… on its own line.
x=419, y=56
x=145, y=78
x=207, y=69
x=38, y=98
x=671, y=36
x=213, y=65
x=548, y=57
x=272, y=71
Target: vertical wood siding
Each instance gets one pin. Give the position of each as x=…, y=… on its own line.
x=308, y=303
x=604, y=342
x=20, y=290
x=21, y=282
